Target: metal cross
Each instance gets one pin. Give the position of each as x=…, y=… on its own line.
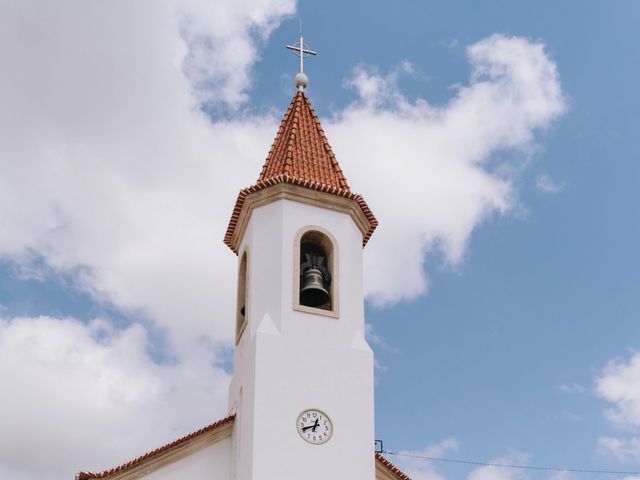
x=301, y=51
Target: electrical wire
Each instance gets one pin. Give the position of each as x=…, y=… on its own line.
x=508, y=465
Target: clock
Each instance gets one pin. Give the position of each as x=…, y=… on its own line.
x=314, y=426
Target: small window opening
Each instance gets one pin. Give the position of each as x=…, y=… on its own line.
x=316, y=258
x=241, y=315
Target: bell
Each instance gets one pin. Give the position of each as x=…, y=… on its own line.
x=313, y=293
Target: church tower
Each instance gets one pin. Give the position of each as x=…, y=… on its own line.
x=301, y=398
x=302, y=391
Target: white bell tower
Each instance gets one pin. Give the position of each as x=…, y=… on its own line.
x=302, y=390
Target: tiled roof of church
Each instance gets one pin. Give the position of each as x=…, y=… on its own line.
x=387, y=466
x=395, y=471
x=301, y=155
x=301, y=149
x=155, y=453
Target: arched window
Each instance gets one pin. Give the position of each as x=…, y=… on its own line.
x=241, y=304
x=316, y=275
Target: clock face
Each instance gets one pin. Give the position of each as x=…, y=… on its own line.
x=314, y=426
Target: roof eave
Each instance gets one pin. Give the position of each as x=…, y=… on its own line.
x=247, y=200
x=390, y=469
x=160, y=456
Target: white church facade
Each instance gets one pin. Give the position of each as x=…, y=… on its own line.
x=301, y=402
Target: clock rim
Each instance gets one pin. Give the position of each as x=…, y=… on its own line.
x=323, y=413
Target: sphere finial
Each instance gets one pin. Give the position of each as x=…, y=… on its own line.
x=301, y=81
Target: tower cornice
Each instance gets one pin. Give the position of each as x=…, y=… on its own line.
x=303, y=191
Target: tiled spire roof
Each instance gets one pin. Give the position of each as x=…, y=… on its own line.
x=300, y=156
x=301, y=149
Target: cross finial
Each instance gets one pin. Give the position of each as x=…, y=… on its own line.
x=302, y=51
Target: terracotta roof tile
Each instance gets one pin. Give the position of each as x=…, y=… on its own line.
x=391, y=467
x=301, y=149
x=158, y=451
x=301, y=155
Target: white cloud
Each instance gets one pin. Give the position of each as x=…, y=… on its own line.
x=563, y=475
x=425, y=170
x=221, y=47
x=375, y=339
x=546, y=184
x=571, y=388
x=65, y=382
x=619, y=383
x=621, y=448
x=377, y=91
x=107, y=164
x=490, y=472
x=424, y=469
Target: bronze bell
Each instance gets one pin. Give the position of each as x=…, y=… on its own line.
x=313, y=293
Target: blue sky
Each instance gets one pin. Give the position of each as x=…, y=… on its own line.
x=508, y=331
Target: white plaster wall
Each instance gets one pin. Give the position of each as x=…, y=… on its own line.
x=213, y=462
x=288, y=361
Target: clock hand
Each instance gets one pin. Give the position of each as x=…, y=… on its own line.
x=314, y=426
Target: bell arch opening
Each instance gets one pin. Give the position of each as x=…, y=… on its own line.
x=315, y=280
x=242, y=297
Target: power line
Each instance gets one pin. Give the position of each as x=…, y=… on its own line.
x=508, y=465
